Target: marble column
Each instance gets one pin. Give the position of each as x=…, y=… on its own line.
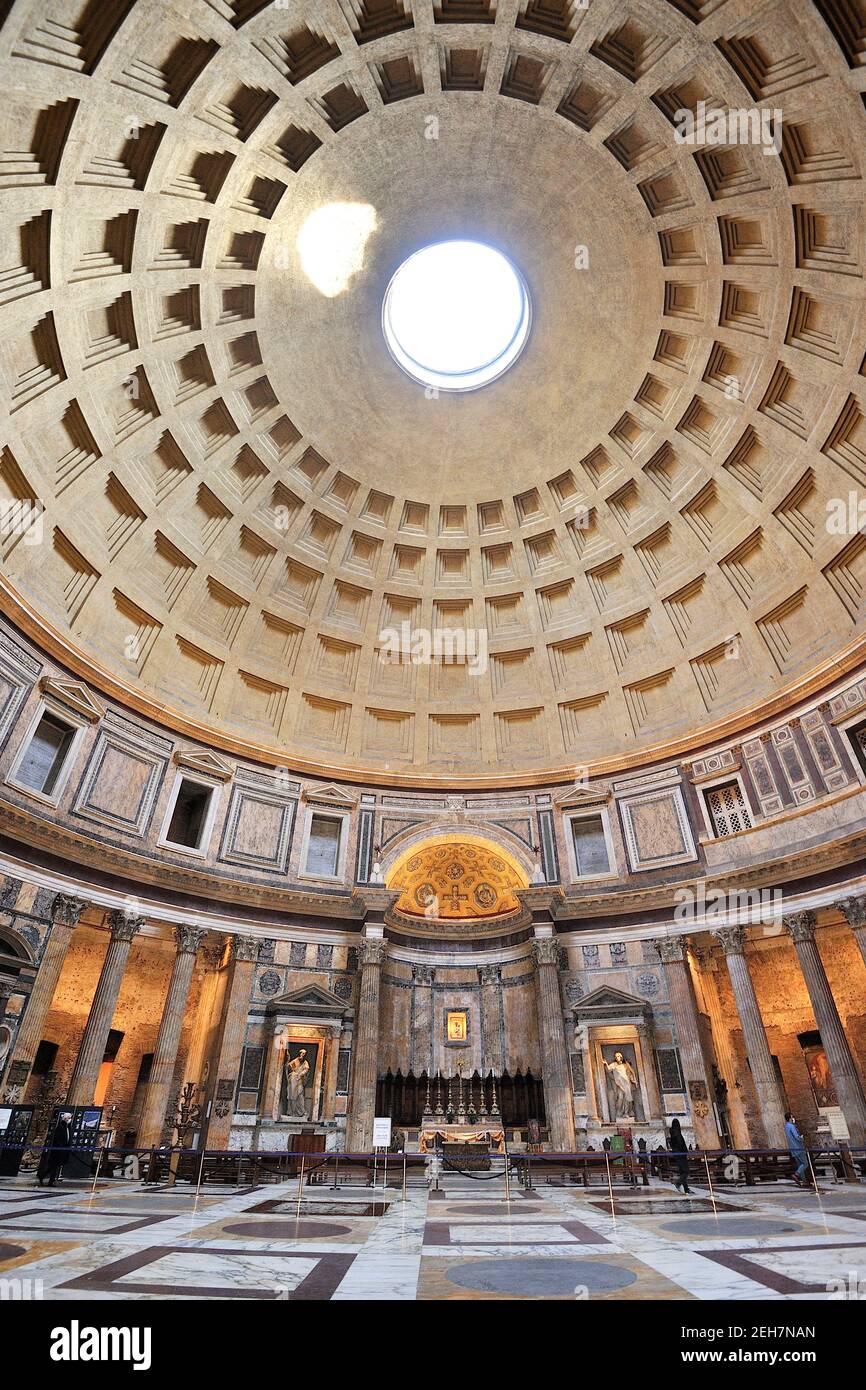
x=733, y=943
x=854, y=912
x=708, y=964
x=421, y=1056
x=244, y=953
x=210, y=958
x=359, y=1135
x=490, y=981
x=65, y=912
x=85, y=1074
x=158, y=1096
x=673, y=951
x=558, y=1097
x=800, y=926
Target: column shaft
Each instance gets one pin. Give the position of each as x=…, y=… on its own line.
x=801, y=927
x=65, y=913
x=158, y=1096
x=359, y=1137
x=755, y=1039
x=698, y=1081
x=245, y=952
x=85, y=1073
x=558, y=1098
x=490, y=978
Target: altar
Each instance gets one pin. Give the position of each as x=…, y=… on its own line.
x=444, y=1135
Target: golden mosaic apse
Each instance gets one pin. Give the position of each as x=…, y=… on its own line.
x=457, y=878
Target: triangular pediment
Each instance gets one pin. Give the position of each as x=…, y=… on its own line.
x=607, y=998
x=331, y=795
x=201, y=760
x=75, y=696
x=582, y=796
x=306, y=1000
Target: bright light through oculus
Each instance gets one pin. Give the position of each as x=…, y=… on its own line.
x=456, y=315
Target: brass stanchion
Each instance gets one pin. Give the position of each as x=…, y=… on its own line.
x=610, y=1186
x=99, y=1154
x=336, y=1172
x=404, y=1175
x=301, y=1183
x=198, y=1180
x=710, y=1183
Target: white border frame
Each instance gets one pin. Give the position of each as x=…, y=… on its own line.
x=329, y=813
x=596, y=812
x=843, y=726
x=202, y=849
x=75, y=722
x=711, y=785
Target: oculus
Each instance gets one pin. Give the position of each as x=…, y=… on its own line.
x=456, y=315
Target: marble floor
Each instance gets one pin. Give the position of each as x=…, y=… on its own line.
x=125, y=1241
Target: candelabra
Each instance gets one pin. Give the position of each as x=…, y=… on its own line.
x=187, y=1113
x=461, y=1108
x=428, y=1108
x=439, y=1110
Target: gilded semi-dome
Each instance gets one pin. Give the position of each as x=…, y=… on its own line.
x=261, y=529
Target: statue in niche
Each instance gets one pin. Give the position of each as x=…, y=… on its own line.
x=295, y=1072
x=622, y=1084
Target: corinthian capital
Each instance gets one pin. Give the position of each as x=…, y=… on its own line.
x=245, y=948
x=731, y=939
x=187, y=939
x=124, y=925
x=546, y=951
x=800, y=926
x=65, y=911
x=854, y=911
x=371, y=951
x=671, y=949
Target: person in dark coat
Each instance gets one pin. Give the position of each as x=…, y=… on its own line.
x=679, y=1149
x=56, y=1153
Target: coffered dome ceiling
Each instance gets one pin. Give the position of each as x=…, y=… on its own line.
x=242, y=489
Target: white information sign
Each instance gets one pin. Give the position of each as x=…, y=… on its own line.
x=381, y=1132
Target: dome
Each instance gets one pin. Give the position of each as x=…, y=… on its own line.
x=263, y=530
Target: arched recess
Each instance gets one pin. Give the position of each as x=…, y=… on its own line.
x=11, y=944
x=456, y=875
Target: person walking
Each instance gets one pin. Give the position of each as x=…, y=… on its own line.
x=797, y=1145
x=55, y=1154
x=680, y=1151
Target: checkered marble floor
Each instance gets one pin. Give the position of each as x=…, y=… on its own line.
x=126, y=1241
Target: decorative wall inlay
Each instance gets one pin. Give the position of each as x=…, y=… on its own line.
x=656, y=829
x=122, y=780
x=798, y=778
x=258, y=830
x=762, y=777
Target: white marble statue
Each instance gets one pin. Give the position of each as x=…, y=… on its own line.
x=622, y=1076
x=295, y=1072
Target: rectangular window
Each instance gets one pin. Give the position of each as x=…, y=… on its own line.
x=590, y=846
x=46, y=754
x=189, y=816
x=857, y=735
x=323, y=846
x=729, y=813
